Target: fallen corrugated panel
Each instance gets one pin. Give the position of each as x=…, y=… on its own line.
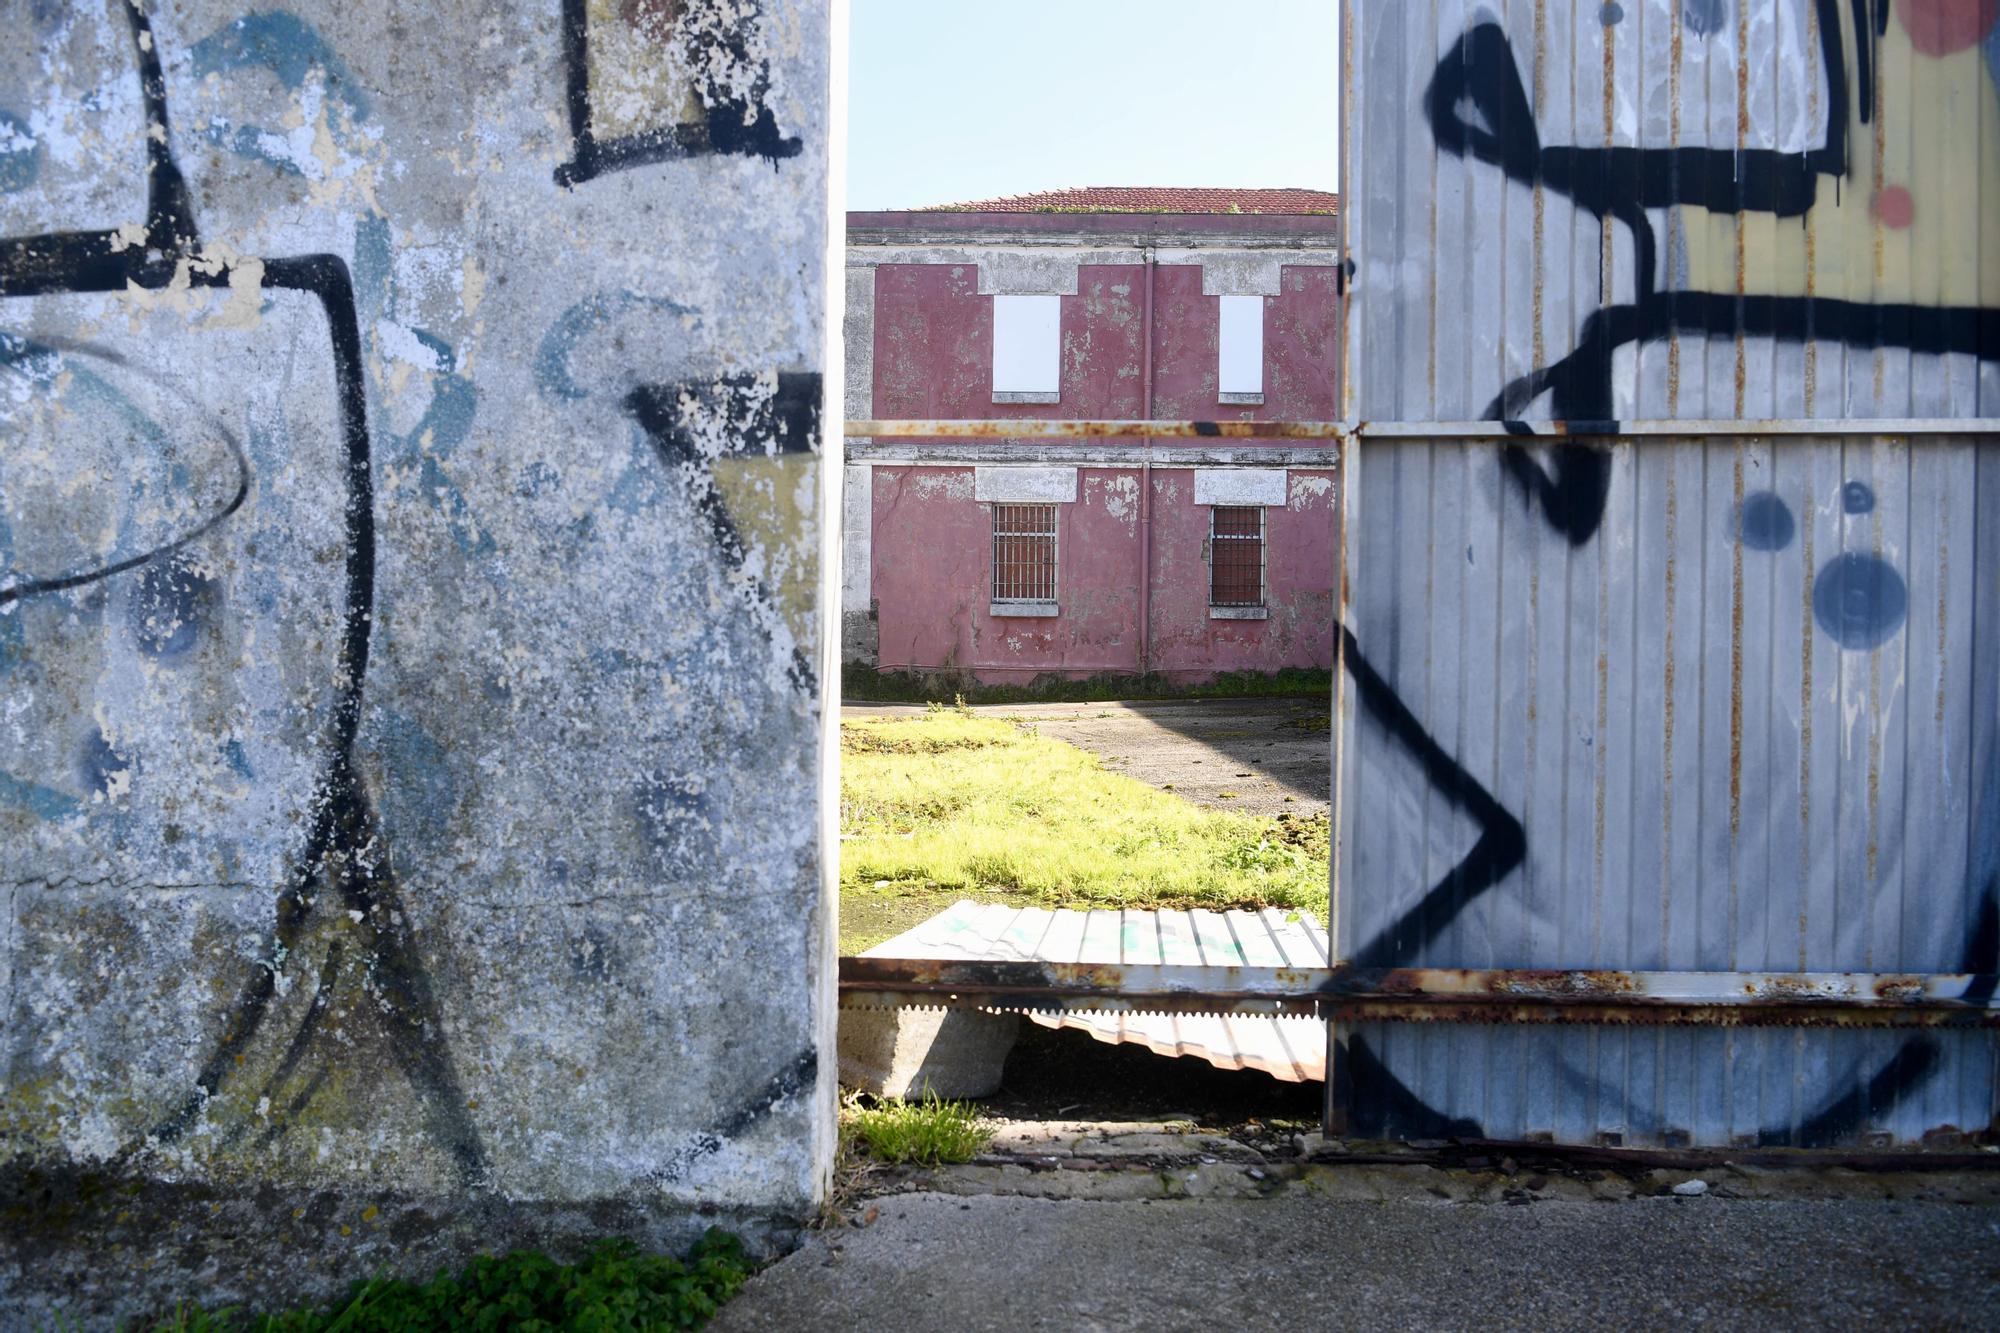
x=1288, y=1048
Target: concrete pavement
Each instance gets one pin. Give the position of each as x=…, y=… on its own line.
x=1300, y=1260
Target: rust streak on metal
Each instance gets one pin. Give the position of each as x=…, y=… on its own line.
x=1874, y=757
x=1811, y=225
x=1537, y=337
x=1606, y=249
x=1943, y=607
x=1671, y=544
x=1811, y=513
x=1735, y=702
x=1876, y=227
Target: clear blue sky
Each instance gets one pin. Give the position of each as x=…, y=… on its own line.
x=950, y=100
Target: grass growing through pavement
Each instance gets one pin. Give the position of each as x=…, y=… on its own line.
x=930, y=1132
x=951, y=805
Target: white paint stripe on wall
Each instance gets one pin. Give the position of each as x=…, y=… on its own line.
x=857, y=537
x=1026, y=485
x=1239, y=486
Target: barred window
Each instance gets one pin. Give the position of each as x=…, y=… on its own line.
x=1024, y=553
x=1236, y=555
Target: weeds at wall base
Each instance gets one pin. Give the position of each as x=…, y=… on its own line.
x=614, y=1288
x=863, y=684
x=929, y=1132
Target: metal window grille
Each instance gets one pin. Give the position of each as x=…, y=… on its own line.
x=1024, y=553
x=1236, y=555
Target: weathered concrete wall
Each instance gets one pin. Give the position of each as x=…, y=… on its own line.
x=933, y=561
x=409, y=661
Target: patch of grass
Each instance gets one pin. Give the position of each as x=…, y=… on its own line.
x=615, y=1288
x=860, y=684
x=956, y=728
x=927, y=819
x=929, y=1132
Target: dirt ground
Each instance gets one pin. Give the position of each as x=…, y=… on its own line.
x=1254, y=756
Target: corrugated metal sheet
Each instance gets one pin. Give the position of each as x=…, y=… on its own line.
x=1690, y=703
x=1288, y=1048
x=1511, y=165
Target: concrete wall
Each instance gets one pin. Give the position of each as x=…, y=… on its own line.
x=410, y=526
x=933, y=544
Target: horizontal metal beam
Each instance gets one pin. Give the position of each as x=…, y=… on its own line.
x=1504, y=431
x=1191, y=1002
x=1122, y=429
x=1471, y=432
x=1438, y=994
x=1103, y=980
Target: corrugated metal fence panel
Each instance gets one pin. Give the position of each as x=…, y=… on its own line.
x=1867, y=165
x=1653, y=751
x=1690, y=704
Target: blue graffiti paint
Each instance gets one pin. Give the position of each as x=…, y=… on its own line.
x=238, y=761
x=1860, y=600
x=420, y=792
x=1766, y=523
x=1857, y=498
x=44, y=803
x=98, y=763
x=638, y=487
x=290, y=48
x=444, y=426
x=374, y=268
x=454, y=401
x=536, y=478
x=552, y=375
x=20, y=153
x=1612, y=14
x=171, y=605
x=1703, y=17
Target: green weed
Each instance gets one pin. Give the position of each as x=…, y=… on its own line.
x=614, y=1289
x=929, y=1132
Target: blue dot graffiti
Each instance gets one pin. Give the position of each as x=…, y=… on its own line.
x=1766, y=522
x=1860, y=600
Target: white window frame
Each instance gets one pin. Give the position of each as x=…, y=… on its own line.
x=1027, y=348
x=1024, y=606
x=1238, y=610
x=1239, y=350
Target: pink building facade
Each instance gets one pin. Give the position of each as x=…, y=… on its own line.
x=1006, y=560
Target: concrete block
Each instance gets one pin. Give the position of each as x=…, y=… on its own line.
x=906, y=1052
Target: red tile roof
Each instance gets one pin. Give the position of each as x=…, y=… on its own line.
x=1151, y=199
